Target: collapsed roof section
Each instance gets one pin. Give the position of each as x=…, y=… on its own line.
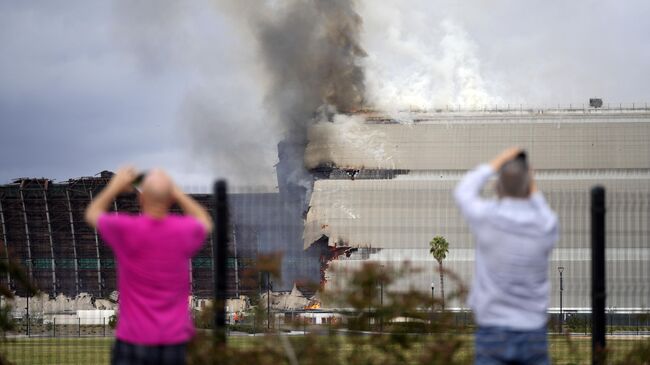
x=450, y=141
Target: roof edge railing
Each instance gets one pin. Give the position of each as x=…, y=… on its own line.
x=620, y=107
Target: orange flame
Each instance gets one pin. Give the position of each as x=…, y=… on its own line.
x=314, y=305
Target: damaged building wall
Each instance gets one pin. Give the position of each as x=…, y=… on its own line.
x=44, y=231
x=398, y=218
x=268, y=223
x=288, y=300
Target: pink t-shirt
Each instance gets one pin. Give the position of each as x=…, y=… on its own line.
x=153, y=275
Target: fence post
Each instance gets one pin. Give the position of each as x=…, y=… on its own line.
x=79, y=327
x=54, y=327
x=598, y=294
x=221, y=225
x=28, y=319
x=104, y=325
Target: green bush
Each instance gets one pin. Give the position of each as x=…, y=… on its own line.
x=112, y=321
x=246, y=328
x=577, y=323
x=203, y=318
x=20, y=277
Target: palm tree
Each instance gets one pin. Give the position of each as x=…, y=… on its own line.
x=439, y=248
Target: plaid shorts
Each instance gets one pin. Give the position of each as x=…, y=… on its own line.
x=128, y=354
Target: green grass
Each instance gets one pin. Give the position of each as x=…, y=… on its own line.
x=90, y=351
x=40, y=351
x=578, y=350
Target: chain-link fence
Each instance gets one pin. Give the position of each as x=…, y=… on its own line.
x=366, y=279
x=333, y=265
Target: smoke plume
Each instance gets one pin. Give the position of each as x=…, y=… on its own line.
x=424, y=66
x=310, y=55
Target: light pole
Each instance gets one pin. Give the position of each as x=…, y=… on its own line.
x=268, y=300
x=560, y=269
x=381, y=300
x=433, y=302
x=28, y=314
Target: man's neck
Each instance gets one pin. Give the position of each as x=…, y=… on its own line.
x=155, y=212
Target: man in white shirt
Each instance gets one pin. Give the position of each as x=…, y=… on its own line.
x=515, y=235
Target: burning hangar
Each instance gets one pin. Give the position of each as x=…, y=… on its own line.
x=384, y=190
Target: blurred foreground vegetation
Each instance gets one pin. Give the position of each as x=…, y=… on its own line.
x=41, y=351
x=378, y=326
x=382, y=326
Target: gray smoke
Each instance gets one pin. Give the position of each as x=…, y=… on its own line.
x=310, y=55
x=310, y=61
x=294, y=57
x=311, y=51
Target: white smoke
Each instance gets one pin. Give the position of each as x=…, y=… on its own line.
x=351, y=131
x=426, y=70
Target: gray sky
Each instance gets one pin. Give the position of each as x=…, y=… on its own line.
x=89, y=85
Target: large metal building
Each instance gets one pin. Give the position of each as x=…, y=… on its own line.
x=382, y=189
x=385, y=187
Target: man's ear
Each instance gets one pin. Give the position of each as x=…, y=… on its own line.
x=531, y=182
x=498, y=189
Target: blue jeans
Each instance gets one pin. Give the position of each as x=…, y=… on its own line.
x=498, y=345
x=125, y=353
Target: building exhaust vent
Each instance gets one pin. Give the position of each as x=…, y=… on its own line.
x=595, y=103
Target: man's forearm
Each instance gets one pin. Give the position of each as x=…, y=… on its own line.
x=120, y=182
x=468, y=192
x=100, y=204
x=192, y=208
x=503, y=157
x=469, y=188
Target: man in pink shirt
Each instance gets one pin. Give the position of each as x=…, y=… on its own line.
x=153, y=251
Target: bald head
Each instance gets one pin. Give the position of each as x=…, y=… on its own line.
x=156, y=190
x=514, y=179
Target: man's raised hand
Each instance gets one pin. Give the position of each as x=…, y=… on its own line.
x=123, y=179
x=505, y=156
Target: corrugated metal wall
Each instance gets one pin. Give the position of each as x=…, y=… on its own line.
x=570, y=151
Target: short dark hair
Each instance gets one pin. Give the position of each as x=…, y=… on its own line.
x=514, y=179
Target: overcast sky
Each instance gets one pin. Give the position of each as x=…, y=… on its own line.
x=86, y=86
